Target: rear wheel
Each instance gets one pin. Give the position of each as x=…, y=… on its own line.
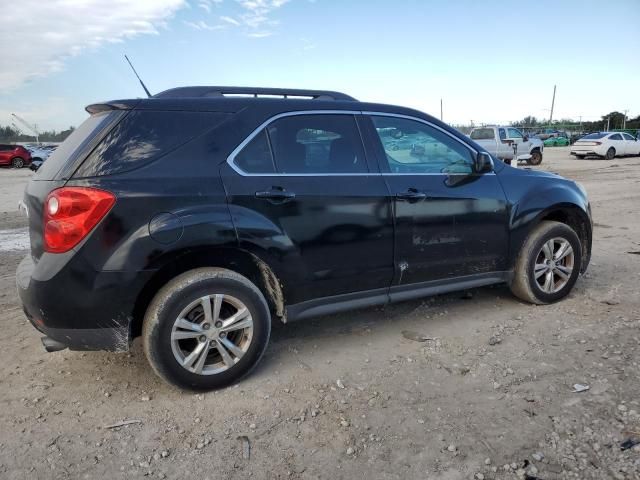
x=206, y=329
x=536, y=158
x=548, y=265
x=17, y=162
x=611, y=153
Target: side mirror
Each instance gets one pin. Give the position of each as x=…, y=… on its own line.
x=483, y=163
x=525, y=138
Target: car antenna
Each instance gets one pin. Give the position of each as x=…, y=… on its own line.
x=139, y=79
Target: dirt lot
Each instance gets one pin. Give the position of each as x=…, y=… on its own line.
x=489, y=395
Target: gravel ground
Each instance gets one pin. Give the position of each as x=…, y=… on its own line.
x=487, y=393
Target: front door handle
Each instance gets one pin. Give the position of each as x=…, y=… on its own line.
x=411, y=195
x=276, y=195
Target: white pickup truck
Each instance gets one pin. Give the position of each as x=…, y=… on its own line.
x=500, y=140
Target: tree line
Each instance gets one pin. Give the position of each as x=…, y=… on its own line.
x=615, y=120
x=11, y=135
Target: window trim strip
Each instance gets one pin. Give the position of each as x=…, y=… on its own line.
x=254, y=133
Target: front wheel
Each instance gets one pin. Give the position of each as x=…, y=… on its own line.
x=206, y=329
x=536, y=158
x=611, y=153
x=548, y=264
x=17, y=162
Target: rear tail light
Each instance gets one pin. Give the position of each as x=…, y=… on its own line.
x=598, y=143
x=70, y=213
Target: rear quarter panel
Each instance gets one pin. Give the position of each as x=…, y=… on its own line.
x=176, y=203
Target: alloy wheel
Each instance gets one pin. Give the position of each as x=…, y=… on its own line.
x=212, y=334
x=554, y=265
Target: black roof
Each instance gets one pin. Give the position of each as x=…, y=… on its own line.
x=262, y=102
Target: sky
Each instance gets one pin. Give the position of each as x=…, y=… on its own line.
x=489, y=61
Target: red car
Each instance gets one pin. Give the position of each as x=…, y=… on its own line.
x=14, y=155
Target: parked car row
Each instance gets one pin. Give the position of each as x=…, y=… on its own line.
x=15, y=156
x=607, y=145
x=28, y=155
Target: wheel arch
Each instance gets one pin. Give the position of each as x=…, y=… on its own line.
x=256, y=269
x=570, y=214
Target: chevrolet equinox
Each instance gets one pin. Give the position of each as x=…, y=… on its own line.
x=195, y=217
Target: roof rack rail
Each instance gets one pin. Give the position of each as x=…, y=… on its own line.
x=257, y=92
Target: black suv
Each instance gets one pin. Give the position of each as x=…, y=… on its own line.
x=195, y=217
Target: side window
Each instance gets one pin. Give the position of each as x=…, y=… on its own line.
x=414, y=147
x=482, y=134
x=514, y=133
x=617, y=136
x=628, y=137
x=317, y=144
x=502, y=133
x=143, y=136
x=256, y=157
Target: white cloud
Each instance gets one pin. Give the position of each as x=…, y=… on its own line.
x=259, y=34
x=202, y=25
x=230, y=20
x=207, y=4
x=257, y=16
x=54, y=30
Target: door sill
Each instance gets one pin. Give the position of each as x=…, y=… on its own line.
x=396, y=293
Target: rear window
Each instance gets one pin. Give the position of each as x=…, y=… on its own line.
x=594, y=136
x=144, y=136
x=74, y=144
x=482, y=134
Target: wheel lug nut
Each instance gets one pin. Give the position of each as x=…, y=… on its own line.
x=206, y=326
x=202, y=338
x=223, y=334
x=218, y=324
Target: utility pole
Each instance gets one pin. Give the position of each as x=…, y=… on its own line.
x=441, y=111
x=624, y=120
x=553, y=101
x=608, y=118
x=31, y=128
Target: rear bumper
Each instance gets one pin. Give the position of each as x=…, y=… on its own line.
x=82, y=310
x=583, y=152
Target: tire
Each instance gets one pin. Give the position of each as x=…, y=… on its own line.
x=17, y=162
x=182, y=298
x=581, y=157
x=611, y=153
x=536, y=158
x=524, y=284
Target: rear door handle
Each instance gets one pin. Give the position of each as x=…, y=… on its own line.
x=276, y=195
x=412, y=195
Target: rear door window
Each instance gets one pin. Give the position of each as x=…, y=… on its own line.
x=617, y=136
x=317, y=144
x=256, y=156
